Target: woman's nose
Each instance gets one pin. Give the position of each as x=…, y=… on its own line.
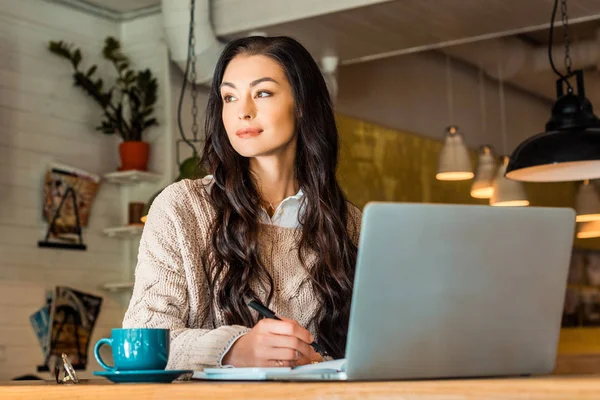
x=247, y=110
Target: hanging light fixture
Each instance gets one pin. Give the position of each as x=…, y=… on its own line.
x=507, y=193
x=483, y=184
x=454, y=163
x=569, y=149
x=587, y=203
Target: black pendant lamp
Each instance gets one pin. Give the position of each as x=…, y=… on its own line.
x=569, y=149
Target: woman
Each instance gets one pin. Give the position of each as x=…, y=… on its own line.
x=271, y=223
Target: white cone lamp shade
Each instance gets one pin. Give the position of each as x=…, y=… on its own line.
x=483, y=184
x=454, y=163
x=507, y=193
x=587, y=203
x=586, y=230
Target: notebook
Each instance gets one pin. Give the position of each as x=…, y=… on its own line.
x=334, y=369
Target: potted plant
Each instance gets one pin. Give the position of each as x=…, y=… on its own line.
x=128, y=104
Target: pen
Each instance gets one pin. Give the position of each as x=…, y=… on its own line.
x=265, y=312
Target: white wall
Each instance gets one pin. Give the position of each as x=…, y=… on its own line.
x=143, y=41
x=44, y=118
x=410, y=93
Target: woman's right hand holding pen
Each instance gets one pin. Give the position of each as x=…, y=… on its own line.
x=273, y=343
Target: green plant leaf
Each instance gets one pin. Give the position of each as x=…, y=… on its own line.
x=107, y=127
x=130, y=76
x=110, y=46
x=89, y=87
x=134, y=91
x=76, y=58
x=150, y=122
x=112, y=52
x=60, y=48
x=106, y=98
x=147, y=84
x=91, y=70
x=135, y=100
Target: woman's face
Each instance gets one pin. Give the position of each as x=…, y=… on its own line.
x=258, y=106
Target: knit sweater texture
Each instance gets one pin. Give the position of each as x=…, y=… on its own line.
x=171, y=289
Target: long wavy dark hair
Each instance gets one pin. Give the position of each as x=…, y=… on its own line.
x=235, y=261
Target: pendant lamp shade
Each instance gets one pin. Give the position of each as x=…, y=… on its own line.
x=483, y=184
x=569, y=150
x=586, y=230
x=454, y=162
x=587, y=203
x=507, y=193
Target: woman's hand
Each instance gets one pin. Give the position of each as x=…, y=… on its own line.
x=273, y=343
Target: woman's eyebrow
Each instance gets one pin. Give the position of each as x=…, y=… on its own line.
x=253, y=83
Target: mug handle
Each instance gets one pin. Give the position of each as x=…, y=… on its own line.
x=99, y=344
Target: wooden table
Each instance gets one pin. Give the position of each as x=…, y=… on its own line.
x=550, y=387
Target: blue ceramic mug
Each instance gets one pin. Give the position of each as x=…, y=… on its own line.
x=136, y=349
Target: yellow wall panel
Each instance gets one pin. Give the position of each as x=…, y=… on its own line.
x=383, y=164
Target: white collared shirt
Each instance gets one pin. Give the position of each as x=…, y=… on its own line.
x=287, y=213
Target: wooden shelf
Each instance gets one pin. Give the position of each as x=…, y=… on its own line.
x=131, y=177
x=117, y=286
x=124, y=232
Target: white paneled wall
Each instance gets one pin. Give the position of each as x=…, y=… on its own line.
x=43, y=118
x=143, y=41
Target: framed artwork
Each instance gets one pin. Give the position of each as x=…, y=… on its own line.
x=71, y=321
x=57, y=180
x=582, y=298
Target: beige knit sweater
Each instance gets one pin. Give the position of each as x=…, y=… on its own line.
x=170, y=288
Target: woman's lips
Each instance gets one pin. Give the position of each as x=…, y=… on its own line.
x=248, y=132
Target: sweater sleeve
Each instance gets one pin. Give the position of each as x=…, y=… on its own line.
x=160, y=295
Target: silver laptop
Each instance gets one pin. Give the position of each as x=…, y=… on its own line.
x=448, y=291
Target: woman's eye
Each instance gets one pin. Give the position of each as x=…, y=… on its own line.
x=263, y=93
x=228, y=98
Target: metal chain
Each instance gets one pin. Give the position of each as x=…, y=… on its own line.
x=193, y=73
x=565, y=22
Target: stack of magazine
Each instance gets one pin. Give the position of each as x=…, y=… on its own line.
x=65, y=325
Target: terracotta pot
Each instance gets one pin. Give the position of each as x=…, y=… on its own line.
x=134, y=155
